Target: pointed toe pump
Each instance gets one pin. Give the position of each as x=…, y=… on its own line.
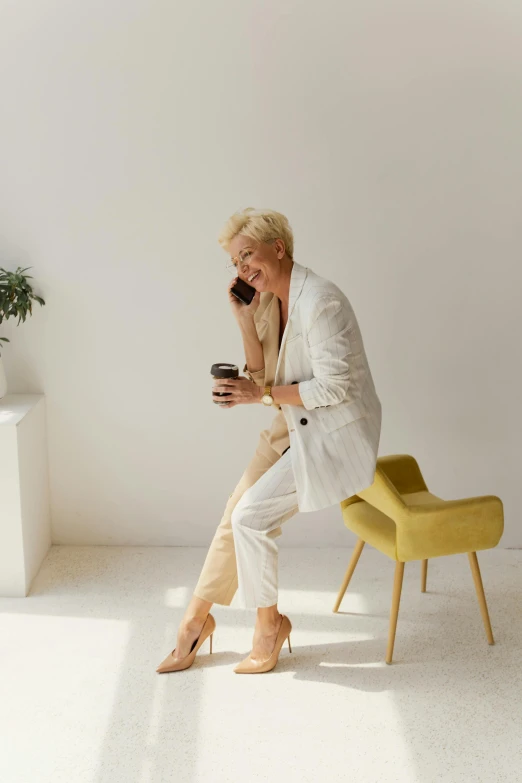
x=250, y=666
x=170, y=664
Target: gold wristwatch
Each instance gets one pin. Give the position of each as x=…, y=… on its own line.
x=267, y=398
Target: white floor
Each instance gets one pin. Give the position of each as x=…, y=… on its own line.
x=81, y=701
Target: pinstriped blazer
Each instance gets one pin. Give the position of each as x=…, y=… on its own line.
x=334, y=436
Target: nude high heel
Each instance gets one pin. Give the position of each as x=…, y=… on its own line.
x=249, y=666
x=172, y=665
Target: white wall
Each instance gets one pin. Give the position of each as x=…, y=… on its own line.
x=389, y=133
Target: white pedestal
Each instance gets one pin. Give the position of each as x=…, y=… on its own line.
x=25, y=518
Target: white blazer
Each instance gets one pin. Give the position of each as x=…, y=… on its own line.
x=334, y=438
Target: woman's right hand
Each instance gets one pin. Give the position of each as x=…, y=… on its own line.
x=242, y=313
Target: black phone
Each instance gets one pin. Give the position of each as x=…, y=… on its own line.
x=244, y=291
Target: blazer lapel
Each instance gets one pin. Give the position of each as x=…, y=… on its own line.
x=267, y=319
x=297, y=278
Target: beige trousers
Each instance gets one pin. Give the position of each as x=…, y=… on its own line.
x=218, y=579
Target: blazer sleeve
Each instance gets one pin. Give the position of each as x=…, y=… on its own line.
x=330, y=353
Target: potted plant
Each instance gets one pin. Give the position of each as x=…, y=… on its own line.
x=15, y=300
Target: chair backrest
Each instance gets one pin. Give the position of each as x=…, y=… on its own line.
x=383, y=496
x=404, y=472
x=394, y=474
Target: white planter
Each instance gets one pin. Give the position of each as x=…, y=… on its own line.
x=3, y=380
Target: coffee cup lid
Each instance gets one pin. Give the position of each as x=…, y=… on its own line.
x=224, y=370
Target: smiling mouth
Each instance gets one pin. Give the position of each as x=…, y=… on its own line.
x=251, y=280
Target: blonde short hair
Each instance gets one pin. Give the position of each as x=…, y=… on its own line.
x=261, y=225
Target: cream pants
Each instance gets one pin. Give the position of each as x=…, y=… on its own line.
x=243, y=553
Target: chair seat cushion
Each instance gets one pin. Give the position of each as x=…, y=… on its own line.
x=420, y=498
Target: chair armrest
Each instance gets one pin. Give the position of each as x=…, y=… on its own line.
x=449, y=527
x=485, y=505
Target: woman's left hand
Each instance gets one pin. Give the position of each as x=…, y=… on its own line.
x=242, y=391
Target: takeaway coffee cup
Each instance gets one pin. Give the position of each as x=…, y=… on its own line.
x=223, y=371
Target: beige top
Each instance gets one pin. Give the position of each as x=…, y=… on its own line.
x=268, y=325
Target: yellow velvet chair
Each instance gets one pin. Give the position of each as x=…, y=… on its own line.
x=399, y=516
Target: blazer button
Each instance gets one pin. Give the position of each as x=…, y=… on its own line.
x=304, y=421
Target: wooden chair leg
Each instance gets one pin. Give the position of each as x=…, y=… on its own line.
x=349, y=571
x=424, y=575
x=397, y=587
x=475, y=570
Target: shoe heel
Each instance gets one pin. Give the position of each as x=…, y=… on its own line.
x=211, y=635
x=289, y=645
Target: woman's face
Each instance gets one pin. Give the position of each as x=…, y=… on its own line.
x=260, y=259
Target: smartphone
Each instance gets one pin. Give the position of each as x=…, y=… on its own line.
x=244, y=291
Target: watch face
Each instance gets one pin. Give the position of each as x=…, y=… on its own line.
x=267, y=399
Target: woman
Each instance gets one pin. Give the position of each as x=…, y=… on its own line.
x=304, y=357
